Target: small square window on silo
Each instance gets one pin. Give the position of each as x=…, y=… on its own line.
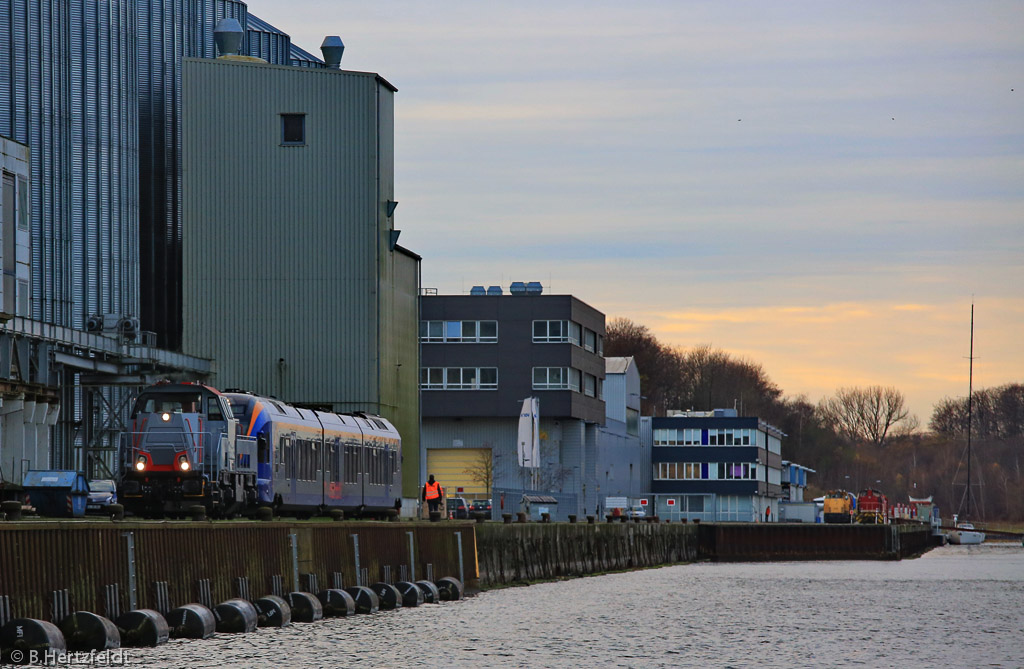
x=293, y=129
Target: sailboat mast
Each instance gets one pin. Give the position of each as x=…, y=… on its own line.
x=970, y=407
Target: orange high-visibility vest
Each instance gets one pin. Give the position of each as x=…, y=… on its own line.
x=433, y=490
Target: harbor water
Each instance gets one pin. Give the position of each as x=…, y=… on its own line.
x=956, y=606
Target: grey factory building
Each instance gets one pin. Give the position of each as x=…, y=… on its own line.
x=292, y=243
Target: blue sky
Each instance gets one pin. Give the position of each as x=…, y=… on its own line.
x=820, y=187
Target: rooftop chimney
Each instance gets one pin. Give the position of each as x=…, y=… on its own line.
x=332, y=48
x=228, y=36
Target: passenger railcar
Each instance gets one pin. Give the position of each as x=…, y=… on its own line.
x=319, y=460
x=233, y=452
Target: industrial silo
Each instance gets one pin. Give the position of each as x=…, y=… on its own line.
x=68, y=81
x=169, y=31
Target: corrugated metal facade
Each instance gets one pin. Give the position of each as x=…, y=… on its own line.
x=565, y=443
x=299, y=57
x=289, y=279
x=267, y=42
x=590, y=460
x=400, y=345
x=284, y=250
x=169, y=31
x=68, y=90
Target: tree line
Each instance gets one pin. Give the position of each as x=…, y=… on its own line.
x=858, y=437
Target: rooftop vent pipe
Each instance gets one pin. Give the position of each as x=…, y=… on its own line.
x=228, y=37
x=332, y=48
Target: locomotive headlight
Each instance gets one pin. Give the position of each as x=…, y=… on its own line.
x=165, y=416
x=140, y=464
x=183, y=462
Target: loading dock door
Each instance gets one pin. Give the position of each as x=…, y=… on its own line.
x=451, y=467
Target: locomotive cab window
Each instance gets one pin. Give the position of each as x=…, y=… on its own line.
x=213, y=410
x=293, y=129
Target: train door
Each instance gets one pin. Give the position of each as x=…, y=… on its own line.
x=264, y=467
x=284, y=475
x=332, y=470
x=361, y=459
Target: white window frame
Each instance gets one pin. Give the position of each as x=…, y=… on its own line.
x=570, y=379
x=570, y=332
x=457, y=378
x=444, y=332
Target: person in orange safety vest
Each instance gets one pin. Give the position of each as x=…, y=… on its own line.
x=432, y=492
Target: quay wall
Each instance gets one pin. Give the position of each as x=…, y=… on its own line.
x=746, y=542
x=83, y=557
x=38, y=558
x=522, y=552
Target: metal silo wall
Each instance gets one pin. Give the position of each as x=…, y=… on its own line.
x=281, y=253
x=68, y=90
x=272, y=46
x=169, y=31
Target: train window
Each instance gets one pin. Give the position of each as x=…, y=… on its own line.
x=337, y=461
x=282, y=455
x=213, y=411
x=157, y=402
x=263, y=450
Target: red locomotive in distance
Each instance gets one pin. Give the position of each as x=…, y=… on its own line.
x=872, y=507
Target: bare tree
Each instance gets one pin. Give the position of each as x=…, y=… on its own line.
x=869, y=415
x=481, y=470
x=623, y=337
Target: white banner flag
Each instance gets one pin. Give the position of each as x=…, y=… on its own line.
x=525, y=439
x=535, y=407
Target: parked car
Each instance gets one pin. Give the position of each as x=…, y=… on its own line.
x=482, y=505
x=636, y=512
x=102, y=493
x=458, y=507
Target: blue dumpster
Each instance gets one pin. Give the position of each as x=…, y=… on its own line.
x=56, y=493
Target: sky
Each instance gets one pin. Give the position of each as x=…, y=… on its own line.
x=823, y=188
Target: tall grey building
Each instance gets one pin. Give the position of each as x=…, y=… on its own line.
x=293, y=279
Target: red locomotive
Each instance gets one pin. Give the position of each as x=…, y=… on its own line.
x=872, y=507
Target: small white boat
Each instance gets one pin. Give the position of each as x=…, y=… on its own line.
x=965, y=535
